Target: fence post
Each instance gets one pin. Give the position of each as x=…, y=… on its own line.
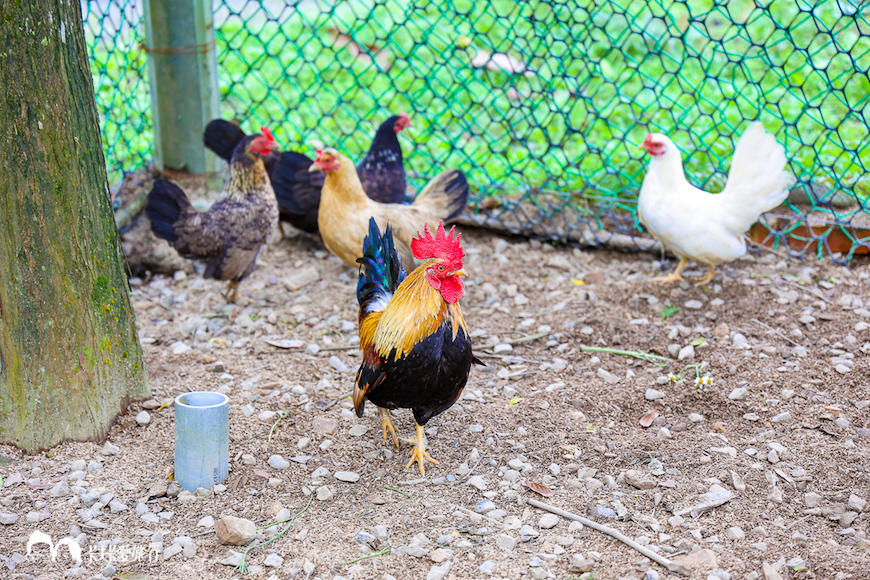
x=182, y=68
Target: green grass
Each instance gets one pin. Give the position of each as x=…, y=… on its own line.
x=599, y=76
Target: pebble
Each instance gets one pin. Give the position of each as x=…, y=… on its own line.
x=687, y=352
x=440, y=572
x=781, y=417
x=206, y=522
x=180, y=348
x=324, y=425
x=278, y=462
x=477, y=481
x=236, y=531
x=348, y=476
x=638, y=479
x=736, y=533
x=273, y=561
x=652, y=395
x=581, y=564
x=812, y=499
x=739, y=341
x=484, y=506
x=358, y=430
x=116, y=506
x=337, y=364
x=60, y=489
x=110, y=449
x=172, y=550
x=487, y=567
x=267, y=415
x=739, y=394
x=694, y=304
x=548, y=521
x=608, y=377
x=503, y=541
x=856, y=503
x=529, y=531
x=324, y=493
x=664, y=433
x=502, y=348
x=440, y=555
x=142, y=418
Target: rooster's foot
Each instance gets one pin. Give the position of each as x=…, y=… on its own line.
x=387, y=424
x=418, y=452
x=676, y=275
x=232, y=293
x=706, y=279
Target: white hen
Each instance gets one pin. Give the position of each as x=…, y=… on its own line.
x=709, y=227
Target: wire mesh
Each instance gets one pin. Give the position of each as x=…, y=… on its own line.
x=542, y=104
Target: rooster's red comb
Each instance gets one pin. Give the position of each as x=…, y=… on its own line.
x=267, y=133
x=441, y=246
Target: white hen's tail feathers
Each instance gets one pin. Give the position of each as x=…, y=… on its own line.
x=757, y=181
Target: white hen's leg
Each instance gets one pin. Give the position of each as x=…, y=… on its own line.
x=676, y=275
x=708, y=278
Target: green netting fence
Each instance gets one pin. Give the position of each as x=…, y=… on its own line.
x=542, y=104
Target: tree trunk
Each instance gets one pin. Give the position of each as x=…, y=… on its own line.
x=70, y=359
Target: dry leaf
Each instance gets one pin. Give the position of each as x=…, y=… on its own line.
x=648, y=419
x=261, y=473
x=538, y=488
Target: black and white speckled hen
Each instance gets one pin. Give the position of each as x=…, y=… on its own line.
x=381, y=171
x=231, y=234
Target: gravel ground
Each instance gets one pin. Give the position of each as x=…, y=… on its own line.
x=779, y=436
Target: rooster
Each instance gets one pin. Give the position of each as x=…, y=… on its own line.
x=416, y=349
x=381, y=171
x=706, y=227
x=345, y=209
x=231, y=234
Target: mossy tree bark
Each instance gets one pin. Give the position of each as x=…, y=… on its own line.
x=70, y=358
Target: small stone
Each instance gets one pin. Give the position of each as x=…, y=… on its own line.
x=278, y=462
x=812, y=499
x=581, y=564
x=638, y=479
x=477, y=481
x=143, y=418
x=233, y=559
x=110, y=449
x=856, y=503
x=502, y=348
x=739, y=341
x=235, y=531
x=739, y=394
x=608, y=377
x=440, y=572
x=548, y=521
x=440, y=555
x=337, y=364
x=652, y=395
x=358, y=430
x=324, y=493
x=773, y=456
x=348, y=476
x=686, y=353
x=781, y=417
x=503, y=541
x=664, y=433
x=273, y=561
x=529, y=531
x=770, y=572
x=483, y=507
x=206, y=522
x=116, y=506
x=60, y=489
x=487, y=567
x=736, y=533
x=701, y=560
x=180, y=348
x=324, y=425
x=172, y=550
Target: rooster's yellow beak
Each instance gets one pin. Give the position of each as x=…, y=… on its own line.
x=459, y=272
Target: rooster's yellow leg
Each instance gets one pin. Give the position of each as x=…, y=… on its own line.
x=708, y=278
x=418, y=452
x=387, y=424
x=232, y=293
x=676, y=275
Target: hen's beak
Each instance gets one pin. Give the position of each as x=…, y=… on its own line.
x=644, y=146
x=315, y=167
x=459, y=272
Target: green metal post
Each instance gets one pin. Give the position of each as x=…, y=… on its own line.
x=183, y=72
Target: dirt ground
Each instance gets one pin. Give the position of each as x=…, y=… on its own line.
x=783, y=426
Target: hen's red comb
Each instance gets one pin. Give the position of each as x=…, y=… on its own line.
x=441, y=246
x=267, y=133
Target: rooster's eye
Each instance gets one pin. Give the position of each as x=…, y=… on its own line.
x=441, y=268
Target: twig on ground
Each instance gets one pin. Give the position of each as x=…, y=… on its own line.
x=633, y=353
x=513, y=341
x=614, y=533
x=381, y=553
x=408, y=495
x=776, y=332
x=473, y=467
x=337, y=401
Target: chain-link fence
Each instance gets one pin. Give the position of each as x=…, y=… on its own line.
x=542, y=104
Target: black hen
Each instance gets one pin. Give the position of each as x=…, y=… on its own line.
x=297, y=189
